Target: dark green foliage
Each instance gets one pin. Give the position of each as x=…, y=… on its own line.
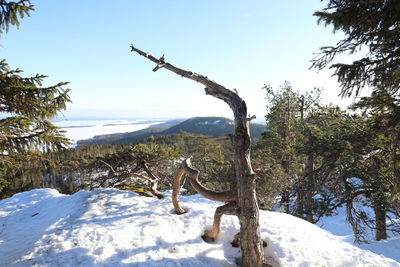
x=26, y=132
x=11, y=12
x=29, y=107
x=384, y=110
x=311, y=155
x=374, y=155
x=114, y=165
x=374, y=24
x=118, y=167
x=213, y=159
x=281, y=145
x=26, y=106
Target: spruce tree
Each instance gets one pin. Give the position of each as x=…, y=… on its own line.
x=314, y=153
x=288, y=132
x=375, y=25
x=371, y=24
x=26, y=106
x=11, y=12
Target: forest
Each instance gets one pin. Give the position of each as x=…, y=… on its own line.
x=312, y=159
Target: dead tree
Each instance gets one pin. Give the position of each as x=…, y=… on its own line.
x=119, y=176
x=244, y=204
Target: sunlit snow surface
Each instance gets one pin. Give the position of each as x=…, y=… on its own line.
x=108, y=227
x=85, y=129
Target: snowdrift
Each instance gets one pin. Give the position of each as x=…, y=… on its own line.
x=108, y=227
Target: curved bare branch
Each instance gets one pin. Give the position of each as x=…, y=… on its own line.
x=186, y=168
x=193, y=175
x=230, y=208
x=154, y=180
x=175, y=191
x=250, y=241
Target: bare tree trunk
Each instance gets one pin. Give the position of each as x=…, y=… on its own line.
x=308, y=205
x=153, y=180
x=380, y=217
x=230, y=209
x=250, y=238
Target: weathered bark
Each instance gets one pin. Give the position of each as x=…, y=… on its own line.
x=250, y=239
x=153, y=180
x=228, y=196
x=175, y=191
x=124, y=175
x=186, y=167
x=230, y=208
x=380, y=217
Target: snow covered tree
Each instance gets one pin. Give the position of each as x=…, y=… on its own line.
x=25, y=107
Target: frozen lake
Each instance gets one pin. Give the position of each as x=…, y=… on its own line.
x=85, y=129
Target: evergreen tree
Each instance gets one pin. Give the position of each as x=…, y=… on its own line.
x=374, y=24
x=281, y=144
x=26, y=133
x=314, y=153
x=11, y=12
x=282, y=136
x=367, y=178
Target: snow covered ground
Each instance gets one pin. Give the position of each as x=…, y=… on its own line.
x=108, y=227
x=339, y=226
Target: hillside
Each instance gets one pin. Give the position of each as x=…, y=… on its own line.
x=212, y=126
x=135, y=136
x=107, y=227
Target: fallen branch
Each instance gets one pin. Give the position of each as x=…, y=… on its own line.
x=120, y=176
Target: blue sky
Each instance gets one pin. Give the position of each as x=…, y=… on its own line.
x=239, y=44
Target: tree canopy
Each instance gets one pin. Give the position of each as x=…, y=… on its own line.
x=371, y=24
x=26, y=106
x=11, y=12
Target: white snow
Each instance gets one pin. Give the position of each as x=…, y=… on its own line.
x=203, y=123
x=339, y=226
x=108, y=227
x=85, y=129
x=215, y=122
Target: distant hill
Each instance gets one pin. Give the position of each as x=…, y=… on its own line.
x=135, y=136
x=212, y=126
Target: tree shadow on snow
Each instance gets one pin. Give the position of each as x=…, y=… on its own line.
x=72, y=257
x=28, y=226
x=34, y=229
x=201, y=259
